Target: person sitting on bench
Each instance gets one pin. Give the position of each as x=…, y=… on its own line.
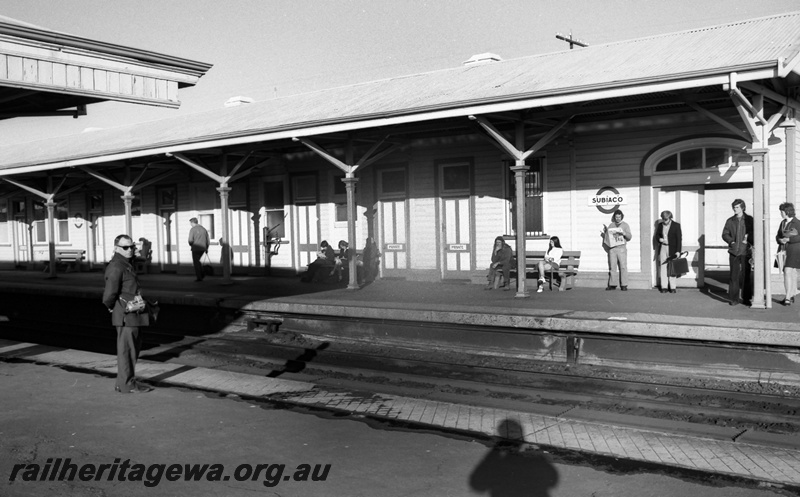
x=321, y=267
x=342, y=261
x=501, y=261
x=551, y=261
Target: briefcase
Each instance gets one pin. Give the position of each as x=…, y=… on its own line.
x=678, y=266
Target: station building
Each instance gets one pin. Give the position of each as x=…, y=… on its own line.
x=434, y=166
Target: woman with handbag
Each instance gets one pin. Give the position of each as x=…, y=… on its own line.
x=669, y=241
x=122, y=297
x=788, y=239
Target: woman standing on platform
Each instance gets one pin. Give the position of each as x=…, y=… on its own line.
x=788, y=238
x=669, y=240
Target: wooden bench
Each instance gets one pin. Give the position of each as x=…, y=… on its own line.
x=566, y=272
x=72, y=258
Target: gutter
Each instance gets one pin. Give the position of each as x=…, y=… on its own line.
x=53, y=37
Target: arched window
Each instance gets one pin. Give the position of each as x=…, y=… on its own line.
x=697, y=155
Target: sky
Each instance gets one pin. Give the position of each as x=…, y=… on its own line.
x=265, y=49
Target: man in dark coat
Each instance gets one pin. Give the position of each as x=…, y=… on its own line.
x=501, y=262
x=122, y=286
x=738, y=234
x=199, y=242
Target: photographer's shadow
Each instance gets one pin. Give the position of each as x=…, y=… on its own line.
x=507, y=471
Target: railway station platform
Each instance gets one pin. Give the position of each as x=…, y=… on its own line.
x=467, y=316
x=694, y=331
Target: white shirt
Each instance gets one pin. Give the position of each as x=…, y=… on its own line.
x=554, y=253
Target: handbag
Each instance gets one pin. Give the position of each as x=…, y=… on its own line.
x=153, y=309
x=135, y=305
x=678, y=266
x=780, y=260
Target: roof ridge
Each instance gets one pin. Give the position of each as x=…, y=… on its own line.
x=702, y=28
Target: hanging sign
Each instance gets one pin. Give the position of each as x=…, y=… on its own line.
x=607, y=199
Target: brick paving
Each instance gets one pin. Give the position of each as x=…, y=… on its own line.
x=760, y=462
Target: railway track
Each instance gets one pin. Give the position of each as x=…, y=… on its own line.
x=428, y=373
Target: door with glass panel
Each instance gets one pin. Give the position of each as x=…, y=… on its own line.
x=94, y=203
x=168, y=236
x=393, y=219
x=275, y=229
x=456, y=218
x=22, y=231
x=240, y=227
x=686, y=205
x=306, y=218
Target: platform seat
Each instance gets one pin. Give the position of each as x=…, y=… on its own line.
x=566, y=273
x=71, y=258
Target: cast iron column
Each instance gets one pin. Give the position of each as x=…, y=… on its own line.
x=224, y=242
x=761, y=279
x=51, y=232
x=350, y=182
x=127, y=201
x=520, y=169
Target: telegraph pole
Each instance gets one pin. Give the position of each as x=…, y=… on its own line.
x=572, y=41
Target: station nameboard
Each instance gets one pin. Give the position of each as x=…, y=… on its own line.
x=607, y=199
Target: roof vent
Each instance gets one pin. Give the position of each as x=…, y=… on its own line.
x=239, y=100
x=483, y=58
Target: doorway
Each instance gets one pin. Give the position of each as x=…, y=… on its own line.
x=392, y=209
x=718, y=210
x=94, y=203
x=167, y=208
x=456, y=211
x=22, y=232
x=686, y=205
x=701, y=211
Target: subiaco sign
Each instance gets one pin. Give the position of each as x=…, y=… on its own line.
x=607, y=199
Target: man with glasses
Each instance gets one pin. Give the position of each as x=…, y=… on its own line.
x=122, y=286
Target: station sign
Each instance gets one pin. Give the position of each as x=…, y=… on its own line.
x=458, y=247
x=394, y=247
x=607, y=199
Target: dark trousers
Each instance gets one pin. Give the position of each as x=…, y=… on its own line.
x=505, y=269
x=198, y=266
x=741, y=279
x=129, y=343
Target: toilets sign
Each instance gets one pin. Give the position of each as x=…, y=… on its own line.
x=607, y=199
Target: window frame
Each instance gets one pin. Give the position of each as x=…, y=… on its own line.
x=732, y=145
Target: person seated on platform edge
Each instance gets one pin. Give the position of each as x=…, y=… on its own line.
x=325, y=259
x=501, y=261
x=552, y=260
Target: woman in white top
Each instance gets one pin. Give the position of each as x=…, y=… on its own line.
x=552, y=259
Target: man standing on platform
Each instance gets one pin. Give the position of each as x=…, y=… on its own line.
x=738, y=234
x=121, y=287
x=615, y=237
x=199, y=241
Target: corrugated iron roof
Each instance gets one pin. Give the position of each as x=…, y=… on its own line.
x=740, y=46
